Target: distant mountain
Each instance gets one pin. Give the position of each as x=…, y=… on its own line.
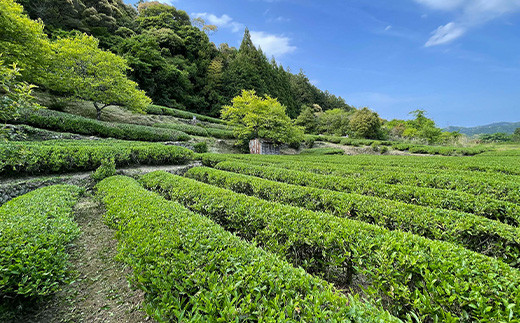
x=506, y=127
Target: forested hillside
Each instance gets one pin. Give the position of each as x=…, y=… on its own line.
x=172, y=58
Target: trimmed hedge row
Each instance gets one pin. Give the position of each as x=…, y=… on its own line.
x=198, y=131
x=79, y=155
x=35, y=231
x=476, y=183
x=413, y=276
x=61, y=121
x=322, y=151
x=193, y=270
x=160, y=110
x=476, y=233
x=440, y=150
x=451, y=200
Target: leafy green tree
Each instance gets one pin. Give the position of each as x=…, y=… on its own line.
x=255, y=117
x=84, y=71
x=14, y=94
x=23, y=42
x=334, y=122
x=308, y=120
x=516, y=135
x=366, y=124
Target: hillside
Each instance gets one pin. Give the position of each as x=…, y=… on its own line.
x=505, y=127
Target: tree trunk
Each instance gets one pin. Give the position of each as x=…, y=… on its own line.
x=99, y=109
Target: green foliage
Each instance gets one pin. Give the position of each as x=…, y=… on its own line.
x=334, y=122
x=440, y=150
x=201, y=147
x=460, y=228
x=65, y=122
x=322, y=151
x=23, y=42
x=254, y=117
x=191, y=269
x=516, y=135
x=82, y=155
x=496, y=137
x=107, y=169
x=36, y=231
x=155, y=109
x=14, y=95
x=411, y=273
x=450, y=200
x=366, y=124
x=198, y=131
x=80, y=69
x=307, y=119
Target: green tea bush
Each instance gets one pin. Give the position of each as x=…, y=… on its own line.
x=65, y=122
x=468, y=230
x=413, y=276
x=451, y=200
x=322, y=151
x=201, y=147
x=160, y=110
x=192, y=270
x=198, y=131
x=107, y=169
x=81, y=155
x=35, y=231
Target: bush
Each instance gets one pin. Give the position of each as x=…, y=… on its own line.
x=464, y=229
x=200, y=147
x=107, y=169
x=309, y=142
x=36, y=230
x=192, y=270
x=322, y=151
x=60, y=121
x=160, y=110
x=81, y=155
x=451, y=200
x=414, y=276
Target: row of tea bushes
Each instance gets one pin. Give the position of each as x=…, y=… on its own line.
x=451, y=200
x=192, y=270
x=65, y=122
x=75, y=155
x=413, y=276
x=36, y=230
x=506, y=189
x=198, y=131
x=476, y=233
x=160, y=110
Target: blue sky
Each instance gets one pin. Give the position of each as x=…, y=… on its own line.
x=457, y=59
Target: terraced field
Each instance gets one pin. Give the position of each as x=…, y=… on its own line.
x=299, y=238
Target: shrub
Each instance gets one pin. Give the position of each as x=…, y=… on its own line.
x=107, y=169
x=200, y=147
x=35, y=231
x=65, y=122
x=322, y=151
x=192, y=270
x=79, y=155
x=414, y=276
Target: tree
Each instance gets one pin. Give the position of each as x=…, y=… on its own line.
x=308, y=120
x=22, y=41
x=14, y=94
x=255, y=117
x=366, y=124
x=84, y=71
x=516, y=135
x=334, y=122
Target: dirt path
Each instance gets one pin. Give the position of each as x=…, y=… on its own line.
x=100, y=292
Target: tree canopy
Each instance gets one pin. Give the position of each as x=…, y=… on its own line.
x=256, y=117
x=84, y=71
x=172, y=59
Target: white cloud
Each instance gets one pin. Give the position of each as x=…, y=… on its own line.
x=223, y=21
x=272, y=44
x=388, y=27
x=470, y=13
x=445, y=34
